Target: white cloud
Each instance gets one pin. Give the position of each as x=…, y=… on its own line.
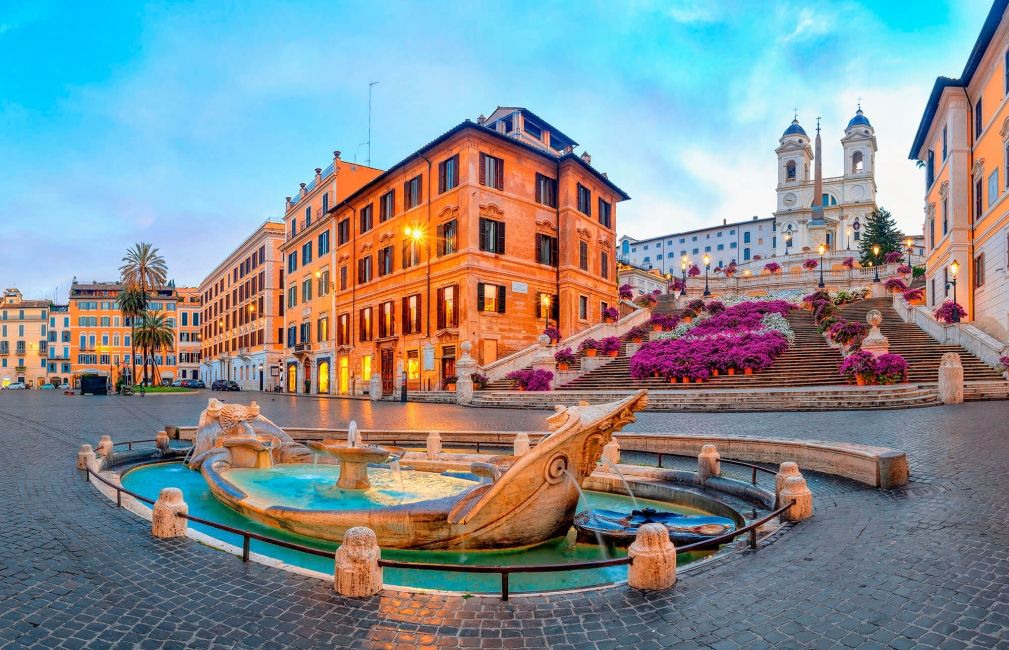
x=809, y=25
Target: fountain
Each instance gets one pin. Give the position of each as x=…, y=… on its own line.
x=526, y=502
x=620, y=528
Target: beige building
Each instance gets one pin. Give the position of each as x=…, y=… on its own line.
x=24, y=342
x=241, y=322
x=188, y=345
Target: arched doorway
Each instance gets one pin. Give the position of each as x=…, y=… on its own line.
x=292, y=378
x=324, y=376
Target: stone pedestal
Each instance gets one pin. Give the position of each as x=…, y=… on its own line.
x=465, y=366
x=105, y=446
x=654, y=564
x=521, y=444
x=592, y=363
x=951, y=379
x=795, y=489
x=875, y=342
x=562, y=377
x=785, y=471
x=544, y=358
x=356, y=573
x=708, y=463
x=877, y=290
x=161, y=441
x=630, y=349
x=433, y=445
x=166, y=521
x=375, y=388
x=85, y=457
x=611, y=452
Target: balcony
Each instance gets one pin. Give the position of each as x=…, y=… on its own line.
x=302, y=347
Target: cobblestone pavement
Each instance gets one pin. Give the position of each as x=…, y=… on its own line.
x=926, y=566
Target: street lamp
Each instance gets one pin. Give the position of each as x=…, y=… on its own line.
x=415, y=234
x=707, y=265
x=954, y=268
x=848, y=232
x=683, y=269
x=875, y=255
x=822, y=250
x=545, y=308
x=910, y=248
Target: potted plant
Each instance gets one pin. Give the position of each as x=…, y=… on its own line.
x=772, y=268
x=553, y=333
x=450, y=382
x=891, y=369
x=637, y=333
x=859, y=367
x=895, y=285
x=610, y=315
x=810, y=264
x=589, y=347
x=626, y=292
x=949, y=312
x=1004, y=365
x=914, y=296
x=645, y=300
x=479, y=381
x=848, y=263
x=904, y=269
x=693, y=271
x=893, y=257
x=696, y=305
x=715, y=307
x=528, y=379
x=564, y=358
x=610, y=346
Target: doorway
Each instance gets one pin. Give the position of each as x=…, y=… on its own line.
x=387, y=371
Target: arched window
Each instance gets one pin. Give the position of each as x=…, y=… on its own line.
x=856, y=162
x=790, y=170
x=828, y=199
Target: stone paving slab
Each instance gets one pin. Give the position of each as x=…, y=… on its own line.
x=922, y=567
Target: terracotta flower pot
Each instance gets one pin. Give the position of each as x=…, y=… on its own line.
x=563, y=366
x=656, y=328
x=522, y=389
x=686, y=380
x=747, y=371
x=608, y=320
x=636, y=339
x=732, y=371
x=591, y=352
x=860, y=380
x=687, y=319
x=674, y=380
x=450, y=386
x=698, y=381
x=613, y=353
x=714, y=372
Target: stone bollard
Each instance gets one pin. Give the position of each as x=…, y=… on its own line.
x=85, y=457
x=708, y=464
x=166, y=522
x=105, y=446
x=611, y=453
x=785, y=470
x=521, y=444
x=357, y=573
x=433, y=444
x=795, y=489
x=951, y=379
x=161, y=441
x=654, y=559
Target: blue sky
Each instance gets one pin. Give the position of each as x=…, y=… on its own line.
x=186, y=124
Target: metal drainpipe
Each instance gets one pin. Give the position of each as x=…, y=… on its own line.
x=557, y=269
x=427, y=289
x=970, y=199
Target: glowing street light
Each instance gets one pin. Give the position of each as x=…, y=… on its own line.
x=683, y=268
x=875, y=255
x=707, y=265
x=822, y=249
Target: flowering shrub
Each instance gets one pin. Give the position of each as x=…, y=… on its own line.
x=847, y=332
x=532, y=380
x=772, y=267
x=676, y=285
x=891, y=369
x=626, y=292
x=564, y=355
x=611, y=313
x=913, y=294
x=610, y=344
x=730, y=270
x=588, y=344
x=822, y=309
x=904, y=268
x=816, y=296
x=1004, y=363
x=893, y=257
x=810, y=264
x=857, y=364
x=826, y=323
x=895, y=284
x=778, y=323
x=553, y=333
x=665, y=321
x=715, y=307
x=696, y=305
x=479, y=381
x=949, y=312
x=638, y=332
x=693, y=271
x=848, y=263
x=645, y=300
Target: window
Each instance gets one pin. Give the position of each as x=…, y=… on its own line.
x=343, y=278
x=546, y=249
x=746, y=238
x=306, y=253
x=491, y=171
x=978, y=119
x=322, y=329
x=583, y=255
x=978, y=199
x=583, y=307
x=412, y=193
x=790, y=170
x=294, y=227
x=323, y=243
x=490, y=297
x=448, y=174
x=325, y=202
x=448, y=307
x=411, y=314
x=993, y=188
x=604, y=264
x=447, y=233
x=385, y=261
x=386, y=324
x=364, y=270
x=292, y=296
x=323, y=283
x=364, y=331
x=308, y=216
x=292, y=261
x=343, y=329
x=366, y=217
x=306, y=290
x=386, y=206
x=931, y=234
x=929, y=169
x=604, y=214
x=546, y=190
x=944, y=142
x=584, y=200
x=492, y=236
x=411, y=252
x=343, y=232
x=856, y=162
x=746, y=254
x=979, y=270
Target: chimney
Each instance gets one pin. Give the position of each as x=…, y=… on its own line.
x=287, y=204
x=302, y=193
x=586, y=157
x=755, y=218
x=318, y=175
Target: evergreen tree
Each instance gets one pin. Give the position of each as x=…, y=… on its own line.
x=880, y=229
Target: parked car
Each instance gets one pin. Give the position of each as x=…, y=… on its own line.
x=64, y=386
x=196, y=383
x=233, y=385
x=47, y=386
x=179, y=383
x=17, y=385
x=219, y=384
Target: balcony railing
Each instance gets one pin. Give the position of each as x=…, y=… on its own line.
x=302, y=347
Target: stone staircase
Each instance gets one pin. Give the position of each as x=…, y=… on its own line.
x=921, y=351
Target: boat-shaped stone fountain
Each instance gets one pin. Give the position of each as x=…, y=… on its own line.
x=522, y=501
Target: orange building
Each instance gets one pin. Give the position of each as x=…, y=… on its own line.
x=486, y=234
x=240, y=326
x=187, y=345
x=963, y=143
x=101, y=338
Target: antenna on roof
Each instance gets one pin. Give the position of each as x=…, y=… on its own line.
x=370, y=86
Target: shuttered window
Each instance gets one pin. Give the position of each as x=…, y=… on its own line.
x=448, y=174
x=447, y=234
x=491, y=171
x=490, y=297
x=492, y=236
x=386, y=206
x=584, y=200
x=546, y=249
x=546, y=190
x=448, y=306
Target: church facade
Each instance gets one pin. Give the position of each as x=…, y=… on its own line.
x=813, y=210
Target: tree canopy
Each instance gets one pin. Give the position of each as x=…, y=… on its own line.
x=880, y=229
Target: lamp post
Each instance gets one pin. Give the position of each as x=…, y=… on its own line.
x=545, y=307
x=875, y=255
x=908, y=243
x=416, y=234
x=683, y=269
x=954, y=268
x=707, y=265
x=848, y=232
x=822, y=250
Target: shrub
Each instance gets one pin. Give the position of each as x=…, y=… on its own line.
x=693, y=271
x=588, y=344
x=826, y=323
x=730, y=270
x=772, y=267
x=676, y=285
x=903, y=268
x=665, y=321
x=1004, y=363
x=810, y=264
x=847, y=332
x=610, y=344
x=696, y=305
x=859, y=363
x=895, y=284
x=553, y=333
x=532, y=380
x=848, y=263
x=949, y=312
x=638, y=332
x=891, y=369
x=564, y=355
x=893, y=257
x=611, y=313
x=816, y=296
x=479, y=381
x=715, y=307
x=645, y=300
x=626, y=292
x=918, y=272
x=913, y=294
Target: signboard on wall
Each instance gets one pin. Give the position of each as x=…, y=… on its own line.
x=428, y=357
x=520, y=287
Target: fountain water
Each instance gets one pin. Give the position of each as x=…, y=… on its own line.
x=603, y=551
x=353, y=437
x=627, y=486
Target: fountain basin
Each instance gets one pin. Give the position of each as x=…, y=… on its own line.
x=354, y=461
x=620, y=528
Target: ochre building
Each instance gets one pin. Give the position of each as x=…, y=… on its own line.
x=24, y=339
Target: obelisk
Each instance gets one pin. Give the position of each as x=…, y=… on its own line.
x=817, y=216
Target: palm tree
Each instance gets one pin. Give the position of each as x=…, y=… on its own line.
x=132, y=304
x=153, y=332
x=143, y=269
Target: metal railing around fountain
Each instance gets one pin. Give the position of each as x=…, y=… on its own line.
x=504, y=571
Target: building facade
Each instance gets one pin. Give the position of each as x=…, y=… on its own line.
x=963, y=143
x=60, y=357
x=241, y=326
x=486, y=234
x=738, y=242
x=24, y=339
x=187, y=345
